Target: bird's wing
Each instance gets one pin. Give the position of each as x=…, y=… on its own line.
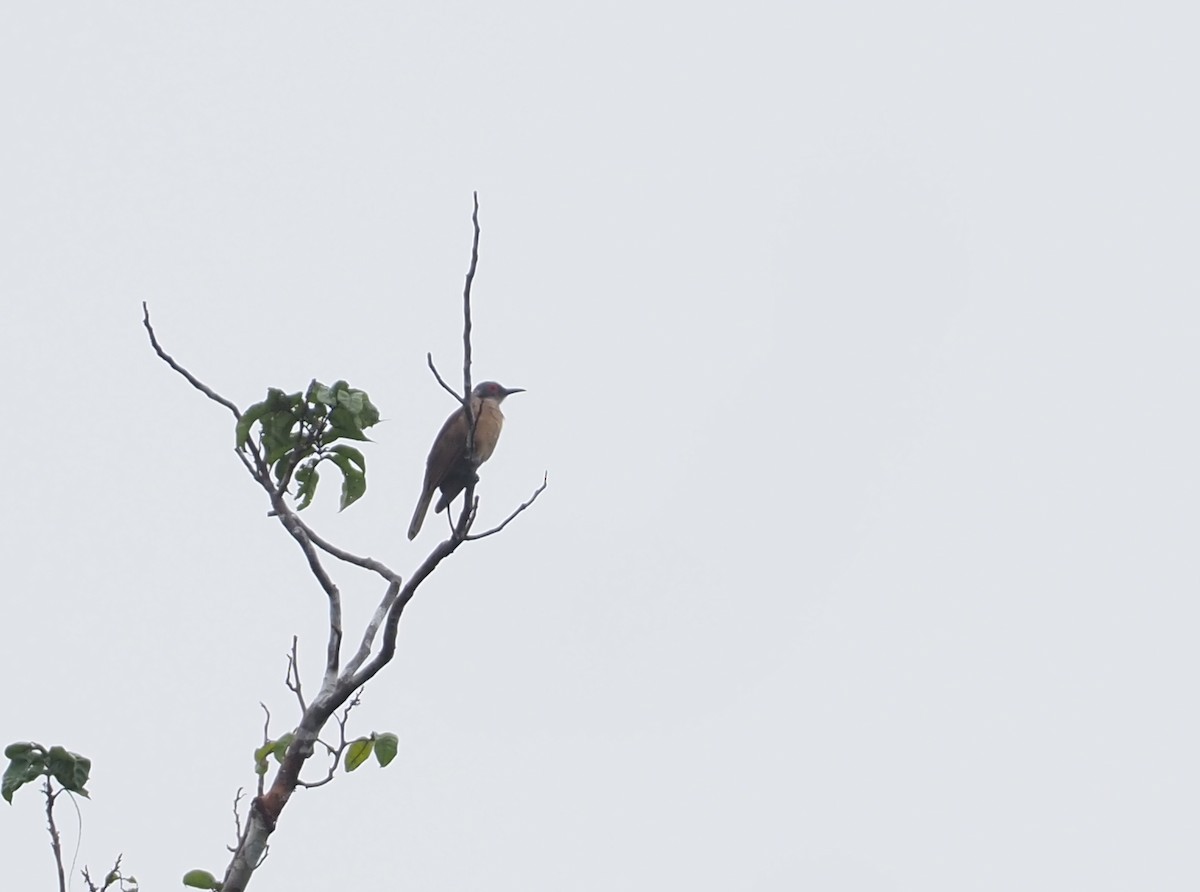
x=447, y=450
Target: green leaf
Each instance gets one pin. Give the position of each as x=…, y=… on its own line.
x=246, y=422
x=363, y=409
x=319, y=393
x=354, y=481
x=352, y=400
x=339, y=387
x=21, y=748
x=315, y=414
x=343, y=423
x=288, y=402
x=200, y=879
x=358, y=752
x=260, y=757
x=278, y=436
x=369, y=415
x=351, y=454
x=353, y=487
x=69, y=769
x=307, y=478
x=276, y=401
x=386, y=747
x=276, y=748
x=354, y=413
x=19, y=772
x=281, y=746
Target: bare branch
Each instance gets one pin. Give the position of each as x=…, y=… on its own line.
x=299, y=532
x=368, y=639
x=467, y=303
x=387, y=647
x=292, y=680
x=472, y=417
x=440, y=380
x=470, y=280
x=466, y=518
x=533, y=498
x=113, y=876
x=246, y=462
x=345, y=716
x=312, y=785
x=335, y=753
x=191, y=379
x=237, y=817
x=55, y=842
x=342, y=555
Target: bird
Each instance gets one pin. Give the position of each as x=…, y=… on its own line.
x=448, y=467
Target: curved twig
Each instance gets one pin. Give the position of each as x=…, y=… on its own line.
x=450, y=390
x=533, y=498
x=342, y=555
x=191, y=379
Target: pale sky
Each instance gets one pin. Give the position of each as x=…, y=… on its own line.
x=861, y=348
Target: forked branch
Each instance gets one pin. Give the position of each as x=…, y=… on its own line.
x=340, y=682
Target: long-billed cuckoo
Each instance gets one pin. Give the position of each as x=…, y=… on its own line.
x=448, y=467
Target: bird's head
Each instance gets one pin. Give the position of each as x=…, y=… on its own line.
x=490, y=390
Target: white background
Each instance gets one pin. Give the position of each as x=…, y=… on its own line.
x=861, y=349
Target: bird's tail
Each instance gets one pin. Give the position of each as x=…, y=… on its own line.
x=418, y=517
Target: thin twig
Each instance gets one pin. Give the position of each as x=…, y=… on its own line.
x=470, y=508
x=459, y=530
x=237, y=817
x=293, y=675
x=191, y=379
x=342, y=555
x=55, y=842
x=450, y=390
x=113, y=876
x=467, y=304
x=533, y=498
x=472, y=417
x=335, y=753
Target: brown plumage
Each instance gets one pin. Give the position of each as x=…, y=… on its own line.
x=448, y=467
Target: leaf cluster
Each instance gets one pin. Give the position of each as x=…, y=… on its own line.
x=385, y=747
x=276, y=748
x=297, y=431
x=28, y=761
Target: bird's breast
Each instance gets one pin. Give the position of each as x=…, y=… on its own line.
x=487, y=431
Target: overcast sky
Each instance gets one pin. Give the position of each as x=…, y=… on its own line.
x=861, y=348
